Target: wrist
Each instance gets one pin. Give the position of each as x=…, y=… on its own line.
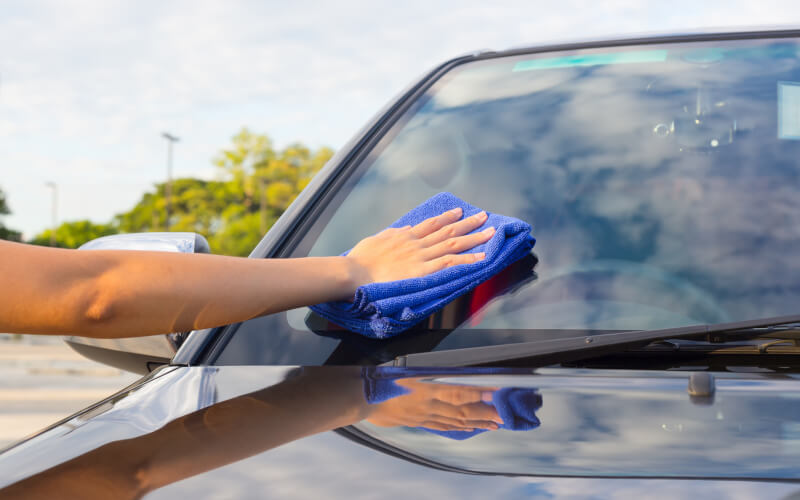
x=353, y=276
x=357, y=275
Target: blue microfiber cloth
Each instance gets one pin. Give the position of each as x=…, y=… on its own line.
x=381, y=310
x=516, y=406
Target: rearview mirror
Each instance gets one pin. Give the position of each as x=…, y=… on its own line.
x=138, y=354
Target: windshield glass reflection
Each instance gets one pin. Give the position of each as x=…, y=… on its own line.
x=661, y=182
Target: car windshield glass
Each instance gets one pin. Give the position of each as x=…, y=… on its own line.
x=661, y=181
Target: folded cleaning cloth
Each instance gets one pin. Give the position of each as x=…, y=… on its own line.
x=381, y=310
x=516, y=406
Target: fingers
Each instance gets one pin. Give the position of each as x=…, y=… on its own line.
x=409, y=252
x=440, y=426
x=458, y=395
x=446, y=261
x=455, y=396
x=459, y=244
x=455, y=229
x=458, y=424
x=481, y=412
x=467, y=415
x=433, y=224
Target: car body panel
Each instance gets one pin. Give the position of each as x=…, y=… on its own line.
x=594, y=423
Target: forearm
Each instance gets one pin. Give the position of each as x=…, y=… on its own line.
x=129, y=293
x=201, y=291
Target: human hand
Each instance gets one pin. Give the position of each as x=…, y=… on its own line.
x=413, y=251
x=440, y=407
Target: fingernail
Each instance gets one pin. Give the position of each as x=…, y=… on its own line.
x=489, y=230
x=456, y=211
x=481, y=215
x=486, y=397
x=480, y=255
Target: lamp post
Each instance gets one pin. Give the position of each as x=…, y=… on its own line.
x=54, y=208
x=171, y=139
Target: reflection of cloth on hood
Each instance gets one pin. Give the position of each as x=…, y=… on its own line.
x=381, y=310
x=516, y=406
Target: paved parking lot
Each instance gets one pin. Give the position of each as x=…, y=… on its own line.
x=43, y=381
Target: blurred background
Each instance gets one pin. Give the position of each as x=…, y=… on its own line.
x=212, y=116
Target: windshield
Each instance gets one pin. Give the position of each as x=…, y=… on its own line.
x=661, y=182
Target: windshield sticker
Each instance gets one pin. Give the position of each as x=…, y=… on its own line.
x=642, y=56
x=789, y=110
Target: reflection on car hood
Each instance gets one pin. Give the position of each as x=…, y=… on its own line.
x=264, y=431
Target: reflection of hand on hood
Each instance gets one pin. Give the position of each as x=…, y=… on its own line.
x=312, y=400
x=453, y=411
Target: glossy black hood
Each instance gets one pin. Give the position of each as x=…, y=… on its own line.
x=350, y=432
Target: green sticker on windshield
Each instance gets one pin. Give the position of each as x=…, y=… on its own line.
x=641, y=56
x=789, y=110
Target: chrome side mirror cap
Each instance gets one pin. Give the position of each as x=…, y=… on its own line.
x=138, y=354
x=160, y=242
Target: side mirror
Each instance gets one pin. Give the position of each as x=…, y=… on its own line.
x=138, y=354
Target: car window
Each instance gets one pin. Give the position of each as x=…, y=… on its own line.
x=661, y=182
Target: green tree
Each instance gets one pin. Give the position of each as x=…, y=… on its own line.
x=239, y=160
x=6, y=233
x=257, y=183
x=197, y=206
x=74, y=234
x=239, y=234
x=267, y=182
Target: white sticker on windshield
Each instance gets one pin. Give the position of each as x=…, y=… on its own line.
x=789, y=110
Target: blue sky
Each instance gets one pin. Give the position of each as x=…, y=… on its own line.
x=87, y=87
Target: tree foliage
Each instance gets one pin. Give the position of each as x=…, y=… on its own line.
x=257, y=183
x=264, y=181
x=6, y=233
x=74, y=234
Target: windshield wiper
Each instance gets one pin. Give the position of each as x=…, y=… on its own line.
x=544, y=352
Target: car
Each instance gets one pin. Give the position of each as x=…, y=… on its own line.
x=648, y=347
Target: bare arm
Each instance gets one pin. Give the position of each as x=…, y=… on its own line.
x=130, y=293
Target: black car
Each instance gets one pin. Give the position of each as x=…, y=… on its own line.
x=648, y=347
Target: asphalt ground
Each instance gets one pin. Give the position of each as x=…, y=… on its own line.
x=43, y=381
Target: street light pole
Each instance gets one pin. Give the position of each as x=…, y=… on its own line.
x=171, y=139
x=54, y=208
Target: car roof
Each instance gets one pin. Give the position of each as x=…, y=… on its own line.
x=610, y=40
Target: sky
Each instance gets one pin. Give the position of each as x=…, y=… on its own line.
x=87, y=87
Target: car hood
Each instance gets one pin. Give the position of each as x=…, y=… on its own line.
x=247, y=431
